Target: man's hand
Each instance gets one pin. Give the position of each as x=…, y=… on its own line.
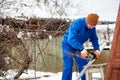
x=84, y=53
x=97, y=53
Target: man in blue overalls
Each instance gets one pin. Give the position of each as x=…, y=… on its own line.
x=79, y=32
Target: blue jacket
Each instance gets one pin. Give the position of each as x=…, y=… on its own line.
x=77, y=34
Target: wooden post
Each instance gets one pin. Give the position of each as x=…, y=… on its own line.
x=96, y=68
x=113, y=68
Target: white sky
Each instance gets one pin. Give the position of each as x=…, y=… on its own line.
x=107, y=9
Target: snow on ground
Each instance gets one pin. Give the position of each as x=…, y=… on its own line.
x=32, y=74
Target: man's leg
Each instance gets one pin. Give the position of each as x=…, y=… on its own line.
x=80, y=63
x=68, y=63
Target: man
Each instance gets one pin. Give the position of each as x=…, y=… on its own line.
x=79, y=32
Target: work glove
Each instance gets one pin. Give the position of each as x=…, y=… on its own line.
x=84, y=53
x=97, y=53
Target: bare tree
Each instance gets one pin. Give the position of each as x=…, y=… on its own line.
x=5, y=4
x=58, y=7
x=52, y=7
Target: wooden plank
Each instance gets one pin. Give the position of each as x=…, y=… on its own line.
x=96, y=68
x=113, y=68
x=116, y=64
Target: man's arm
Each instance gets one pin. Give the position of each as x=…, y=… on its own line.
x=94, y=40
x=73, y=31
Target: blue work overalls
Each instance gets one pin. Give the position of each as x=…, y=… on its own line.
x=72, y=43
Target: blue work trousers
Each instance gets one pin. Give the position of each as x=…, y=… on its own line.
x=68, y=63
